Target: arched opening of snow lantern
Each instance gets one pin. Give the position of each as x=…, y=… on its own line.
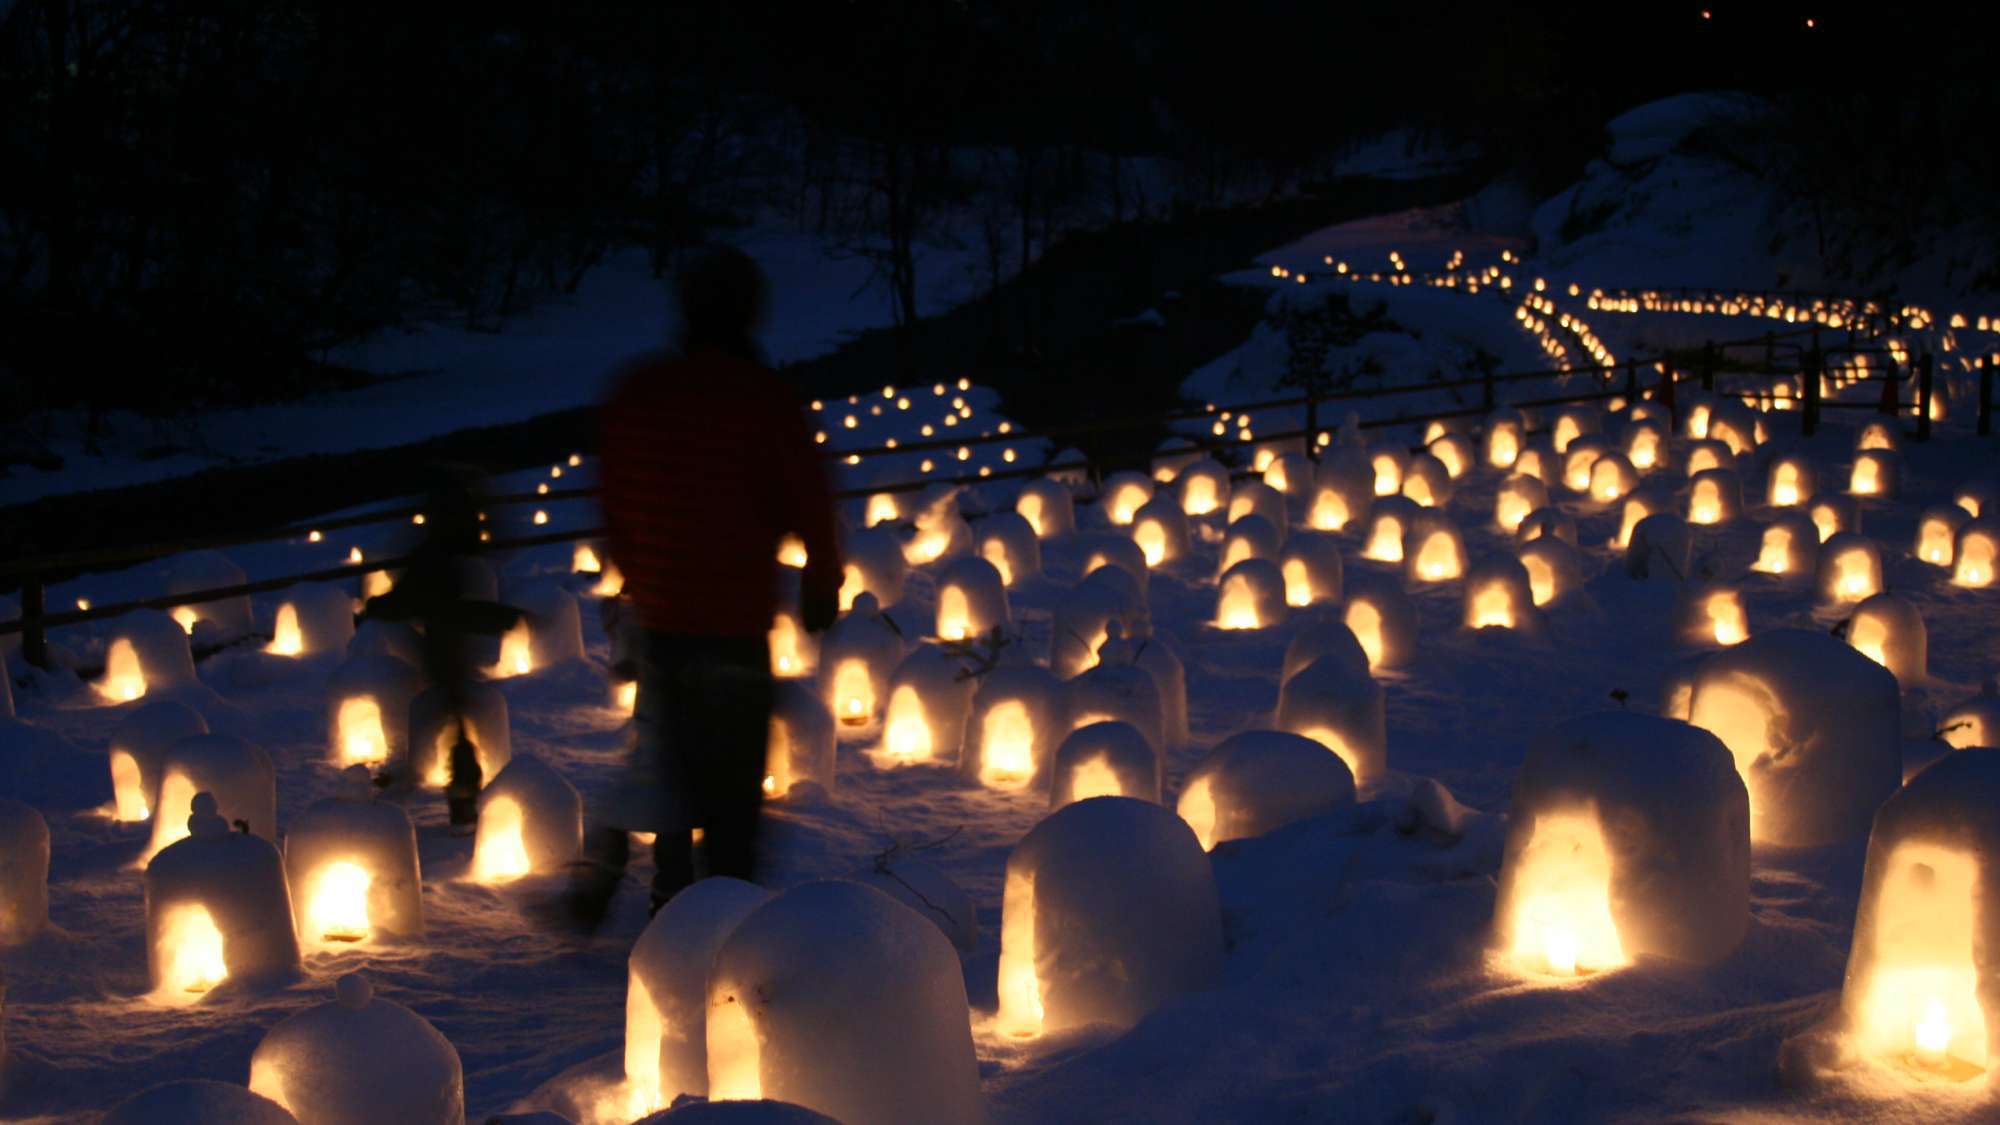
x=1977, y=547
x=1644, y=446
x=1388, y=472
x=1937, y=534
x=1124, y=495
x=1020, y=990
x=286, y=637
x=363, y=740
x=1791, y=482
x=1874, y=474
x=1920, y=1004
x=1611, y=477
x=853, y=693
x=906, y=734
x=1007, y=746
x=792, y=551
x=734, y=1057
x=1774, y=550
x=1251, y=596
x=124, y=679
x=1503, y=443
x=1704, y=456
x=1438, y=555
x=500, y=848
x=1535, y=461
x=336, y=903
x=1709, y=501
x=1561, y=923
x=1385, y=538
x=1850, y=569
x=189, y=952
x=1578, y=461
x=516, y=652
x=788, y=645
x=882, y=508
x=1518, y=496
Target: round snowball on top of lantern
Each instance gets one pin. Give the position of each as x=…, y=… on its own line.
x=1426, y=481
x=313, y=620
x=144, y=651
x=550, y=630
x=1832, y=515
x=1310, y=562
x=971, y=599
x=530, y=823
x=1160, y=529
x=1379, y=614
x=1789, y=545
x=1976, y=553
x=1877, y=473
x=1250, y=595
x=799, y=745
x=435, y=730
x=1715, y=496
x=1125, y=492
x=1518, y=495
x=1048, y=507
x=1104, y=759
x=1006, y=540
x=139, y=745
x=1202, y=487
x=1083, y=617
x=856, y=656
x=1850, y=568
x=1917, y=993
x=1019, y=716
x=360, y=1060
x=1499, y=594
x=351, y=862
x=368, y=710
x=1554, y=568
x=1258, y=781
x=1549, y=522
x=1790, y=481
x=1100, y=882
x=1628, y=836
x=197, y=571
x=666, y=990
x=1342, y=709
x=872, y=563
x=239, y=775
x=1708, y=613
x=1889, y=630
x=1433, y=549
x=836, y=997
x=1937, y=534
x=24, y=872
x=217, y=908
x=930, y=696
x=1815, y=728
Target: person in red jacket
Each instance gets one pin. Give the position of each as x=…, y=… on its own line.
x=707, y=463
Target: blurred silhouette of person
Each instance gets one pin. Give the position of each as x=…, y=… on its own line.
x=707, y=463
x=431, y=594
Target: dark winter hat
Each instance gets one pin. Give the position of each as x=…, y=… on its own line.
x=722, y=295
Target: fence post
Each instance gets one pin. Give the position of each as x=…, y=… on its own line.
x=1666, y=397
x=1986, y=395
x=1892, y=386
x=1924, y=368
x=1631, y=383
x=34, y=634
x=1814, y=365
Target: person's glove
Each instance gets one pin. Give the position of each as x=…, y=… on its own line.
x=817, y=611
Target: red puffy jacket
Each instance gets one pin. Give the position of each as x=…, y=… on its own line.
x=708, y=462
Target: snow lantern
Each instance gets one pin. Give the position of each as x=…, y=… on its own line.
x=872, y=563
x=1634, y=509
x=1503, y=440
x=1291, y=474
x=1251, y=595
x=1310, y=562
x=1454, y=452
x=1255, y=498
x=1660, y=550
x=928, y=891
x=1019, y=716
x=139, y=745
x=1937, y=534
x=1978, y=497
x=1578, y=459
x=942, y=532
x=1628, y=836
x=1048, y=508
x=1715, y=496
x=360, y=1060
x=666, y=990
x=1172, y=456
x=1321, y=640
x=1571, y=423
x=1549, y=522
x=856, y=656
x=882, y=506
x=1611, y=478
x=1259, y=781
x=209, y=570
x=1832, y=515
x=1554, y=568
x=1202, y=487
x=1499, y=595
x=1380, y=616
x=1119, y=554
x=794, y=652
x=1251, y=537
x=1124, y=493
x=1645, y=445
x=1850, y=568
x=1388, y=521
x=1518, y=495
x=238, y=774
x=1789, y=545
x=1388, y=464
x=1339, y=496
x=1118, y=690
x=1976, y=722
x=971, y=600
x=24, y=872
x=549, y=632
x=217, y=909
x=1815, y=728
x=1889, y=630
x=930, y=695
x=1069, y=467
x=1733, y=424
x=800, y=743
x=1342, y=709
x=1975, y=552
x=1109, y=910
x=312, y=621
x=351, y=862
x=1696, y=409
x=1918, y=992
x=1876, y=472
x=387, y=638
x=1155, y=656
x=368, y=703
x=1160, y=528
x=1879, y=435
x=1537, y=460
x=1705, y=455
x=1104, y=759
x=145, y=651
x=1426, y=481
x=1790, y=482
x=1710, y=613
x=1433, y=550
x=530, y=823
x=1007, y=541
x=197, y=1101
x=434, y=731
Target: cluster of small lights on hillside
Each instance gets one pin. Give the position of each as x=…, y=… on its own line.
x=857, y=412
